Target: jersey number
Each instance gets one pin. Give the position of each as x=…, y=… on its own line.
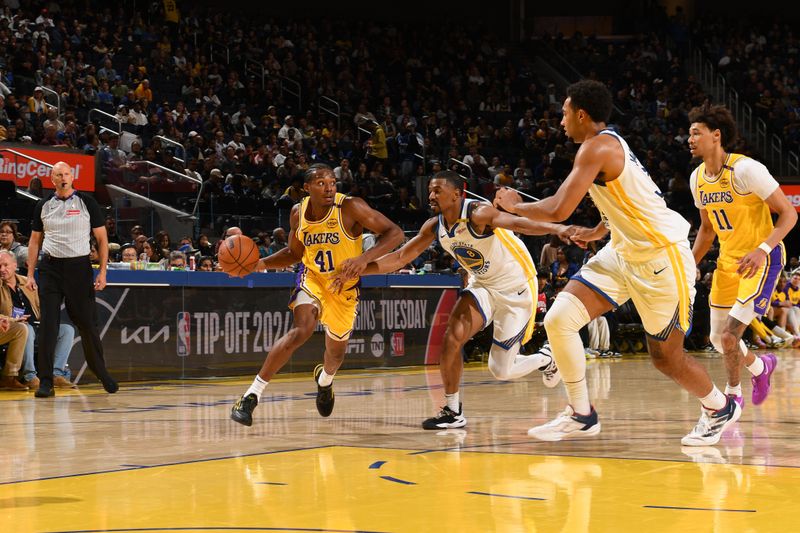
x=320, y=260
x=722, y=220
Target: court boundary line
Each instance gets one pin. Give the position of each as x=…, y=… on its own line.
x=178, y=463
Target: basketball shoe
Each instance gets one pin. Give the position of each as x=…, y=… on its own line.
x=761, y=384
x=550, y=374
x=567, y=425
x=712, y=423
x=242, y=410
x=446, y=419
x=325, y=396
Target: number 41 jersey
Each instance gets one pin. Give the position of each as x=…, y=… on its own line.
x=326, y=244
x=734, y=201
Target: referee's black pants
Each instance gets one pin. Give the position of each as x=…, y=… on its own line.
x=70, y=281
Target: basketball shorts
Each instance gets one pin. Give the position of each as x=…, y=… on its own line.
x=337, y=312
x=746, y=298
x=511, y=310
x=662, y=288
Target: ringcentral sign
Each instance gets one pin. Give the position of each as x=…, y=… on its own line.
x=21, y=170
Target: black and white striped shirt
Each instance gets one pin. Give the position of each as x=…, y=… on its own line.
x=67, y=224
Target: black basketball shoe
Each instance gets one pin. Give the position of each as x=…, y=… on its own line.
x=325, y=396
x=446, y=419
x=242, y=410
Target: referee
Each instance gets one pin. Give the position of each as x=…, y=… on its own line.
x=61, y=227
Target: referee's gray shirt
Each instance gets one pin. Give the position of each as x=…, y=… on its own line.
x=67, y=224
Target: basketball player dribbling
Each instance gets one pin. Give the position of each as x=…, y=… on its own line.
x=325, y=237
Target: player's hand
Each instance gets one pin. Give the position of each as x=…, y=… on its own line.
x=100, y=281
x=31, y=284
x=506, y=199
x=353, y=267
x=749, y=264
x=582, y=236
x=337, y=284
x=565, y=233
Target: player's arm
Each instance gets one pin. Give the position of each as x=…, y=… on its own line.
x=393, y=261
x=388, y=236
x=486, y=215
x=589, y=163
x=293, y=252
x=407, y=253
x=704, y=239
x=787, y=219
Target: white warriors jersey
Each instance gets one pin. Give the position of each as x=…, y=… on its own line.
x=498, y=260
x=634, y=209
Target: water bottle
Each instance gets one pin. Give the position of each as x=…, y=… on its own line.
x=191, y=263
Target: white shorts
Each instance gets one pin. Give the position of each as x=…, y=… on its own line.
x=662, y=289
x=511, y=310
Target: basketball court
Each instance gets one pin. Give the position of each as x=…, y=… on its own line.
x=166, y=457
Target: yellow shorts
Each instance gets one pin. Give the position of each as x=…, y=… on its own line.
x=729, y=288
x=337, y=312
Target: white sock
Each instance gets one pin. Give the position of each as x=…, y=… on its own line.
x=452, y=402
x=325, y=379
x=578, y=394
x=715, y=400
x=257, y=387
x=736, y=391
x=757, y=368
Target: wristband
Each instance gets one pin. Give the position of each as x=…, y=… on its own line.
x=765, y=248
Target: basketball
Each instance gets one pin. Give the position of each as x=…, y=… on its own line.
x=238, y=256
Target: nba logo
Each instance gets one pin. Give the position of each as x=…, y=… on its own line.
x=184, y=334
x=398, y=344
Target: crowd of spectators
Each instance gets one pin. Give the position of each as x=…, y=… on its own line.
x=212, y=98
x=760, y=59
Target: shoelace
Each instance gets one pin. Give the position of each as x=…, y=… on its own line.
x=550, y=370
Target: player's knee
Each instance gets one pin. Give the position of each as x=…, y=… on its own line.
x=729, y=341
x=498, y=370
x=299, y=333
x=457, y=334
x=567, y=315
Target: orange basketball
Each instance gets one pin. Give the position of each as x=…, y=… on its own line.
x=238, y=256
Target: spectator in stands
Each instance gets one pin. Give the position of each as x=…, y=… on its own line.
x=153, y=251
x=113, y=158
x=376, y=146
x=204, y=245
x=164, y=242
x=9, y=241
x=37, y=105
x=20, y=302
x=206, y=264
x=111, y=230
x=128, y=253
x=144, y=93
x=15, y=335
x=562, y=269
x=177, y=260
x=278, y=240
x=52, y=120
